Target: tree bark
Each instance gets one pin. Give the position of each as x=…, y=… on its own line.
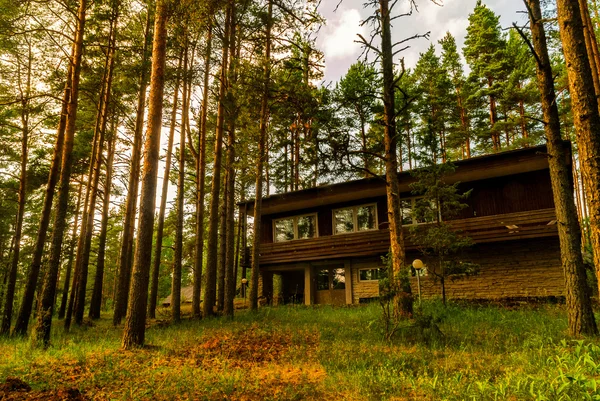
x=46, y=304
x=87, y=232
x=22, y=321
x=581, y=315
x=125, y=258
x=584, y=106
x=71, y=255
x=403, y=299
x=12, y=275
x=229, y=226
x=200, y=181
x=163, y=202
x=222, y=245
x=262, y=140
x=135, y=322
x=178, y=254
x=210, y=279
x=96, y=302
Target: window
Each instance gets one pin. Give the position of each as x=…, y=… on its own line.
x=370, y=274
x=297, y=227
x=331, y=279
x=416, y=211
x=356, y=218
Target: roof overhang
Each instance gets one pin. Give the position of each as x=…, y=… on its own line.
x=473, y=169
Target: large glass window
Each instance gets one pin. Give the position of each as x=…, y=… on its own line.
x=284, y=230
x=323, y=280
x=370, y=274
x=338, y=279
x=307, y=226
x=356, y=218
x=416, y=210
x=297, y=227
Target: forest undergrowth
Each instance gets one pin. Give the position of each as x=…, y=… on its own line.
x=315, y=353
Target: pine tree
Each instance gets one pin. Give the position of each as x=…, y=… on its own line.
x=484, y=51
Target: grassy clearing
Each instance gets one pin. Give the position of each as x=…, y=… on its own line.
x=298, y=353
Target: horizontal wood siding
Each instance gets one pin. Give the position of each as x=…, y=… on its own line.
x=532, y=224
x=512, y=194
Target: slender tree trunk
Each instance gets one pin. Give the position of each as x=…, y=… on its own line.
x=200, y=178
x=584, y=105
x=46, y=304
x=163, y=202
x=493, y=119
x=178, y=254
x=36, y=261
x=222, y=245
x=96, y=302
x=135, y=322
x=210, y=280
x=581, y=315
x=589, y=45
x=72, y=245
x=12, y=276
x=103, y=110
x=403, y=301
x=229, y=278
x=262, y=140
x=125, y=258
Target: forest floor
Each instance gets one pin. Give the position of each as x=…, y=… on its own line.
x=314, y=353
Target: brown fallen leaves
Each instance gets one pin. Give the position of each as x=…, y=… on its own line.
x=14, y=389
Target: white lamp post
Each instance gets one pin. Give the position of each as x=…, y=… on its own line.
x=244, y=283
x=417, y=264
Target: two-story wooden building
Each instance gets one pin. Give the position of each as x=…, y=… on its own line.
x=326, y=242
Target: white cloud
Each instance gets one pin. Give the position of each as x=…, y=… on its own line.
x=340, y=34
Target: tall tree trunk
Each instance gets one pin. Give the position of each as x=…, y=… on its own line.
x=46, y=304
x=200, y=181
x=493, y=118
x=262, y=140
x=581, y=315
x=163, y=201
x=96, y=302
x=403, y=301
x=210, y=279
x=125, y=256
x=135, y=322
x=22, y=321
x=584, y=105
x=589, y=44
x=12, y=276
x=178, y=254
x=229, y=226
x=71, y=255
x=103, y=110
x=222, y=244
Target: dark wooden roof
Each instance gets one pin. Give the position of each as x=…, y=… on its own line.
x=476, y=168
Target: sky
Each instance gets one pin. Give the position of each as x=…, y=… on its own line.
x=336, y=38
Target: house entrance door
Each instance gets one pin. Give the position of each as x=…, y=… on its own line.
x=331, y=286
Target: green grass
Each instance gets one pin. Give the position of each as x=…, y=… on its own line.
x=298, y=353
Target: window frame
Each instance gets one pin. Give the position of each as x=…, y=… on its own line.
x=371, y=280
x=354, y=219
x=295, y=224
x=413, y=201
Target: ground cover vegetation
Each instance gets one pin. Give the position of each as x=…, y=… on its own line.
x=484, y=352
x=86, y=89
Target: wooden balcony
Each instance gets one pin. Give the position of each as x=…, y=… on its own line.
x=506, y=227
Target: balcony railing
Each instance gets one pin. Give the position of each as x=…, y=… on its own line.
x=505, y=227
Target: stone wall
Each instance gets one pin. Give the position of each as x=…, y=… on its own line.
x=364, y=289
x=514, y=269
x=524, y=268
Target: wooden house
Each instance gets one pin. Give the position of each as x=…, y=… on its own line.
x=326, y=242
